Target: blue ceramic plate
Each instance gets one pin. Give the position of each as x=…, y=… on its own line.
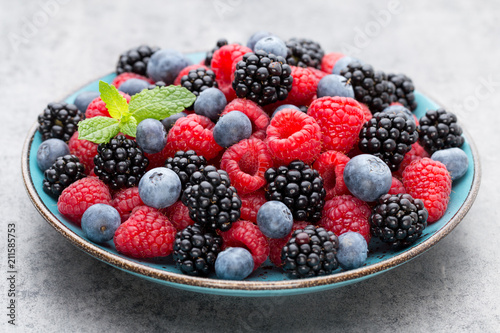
x=267, y=280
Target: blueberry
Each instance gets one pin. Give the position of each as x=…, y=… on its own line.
x=455, y=160
x=169, y=122
x=232, y=128
x=367, y=177
x=399, y=110
x=151, y=136
x=133, y=86
x=83, y=99
x=234, y=263
x=275, y=219
x=49, y=151
x=166, y=64
x=99, y=222
x=352, y=251
x=342, y=63
x=160, y=188
x=272, y=44
x=334, y=85
x=284, y=106
x=210, y=103
x=256, y=37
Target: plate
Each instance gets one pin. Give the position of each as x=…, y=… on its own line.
x=267, y=280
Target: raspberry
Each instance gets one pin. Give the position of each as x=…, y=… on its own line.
x=97, y=108
x=416, y=152
x=396, y=187
x=260, y=120
x=193, y=132
x=293, y=135
x=346, y=213
x=146, y=234
x=158, y=159
x=247, y=235
x=276, y=244
x=117, y=81
x=250, y=204
x=330, y=166
x=340, y=120
x=80, y=195
x=305, y=84
x=178, y=214
x=329, y=61
x=367, y=113
x=185, y=71
x=125, y=201
x=245, y=163
x=84, y=150
x=430, y=182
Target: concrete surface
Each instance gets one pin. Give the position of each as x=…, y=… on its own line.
x=449, y=48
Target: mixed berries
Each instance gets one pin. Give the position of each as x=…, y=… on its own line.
x=275, y=150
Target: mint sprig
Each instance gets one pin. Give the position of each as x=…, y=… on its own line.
x=158, y=103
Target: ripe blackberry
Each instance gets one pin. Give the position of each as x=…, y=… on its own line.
x=404, y=90
x=65, y=171
x=299, y=187
x=208, y=58
x=211, y=199
x=388, y=136
x=59, y=121
x=310, y=252
x=398, y=219
x=370, y=87
x=195, y=251
x=198, y=80
x=263, y=78
x=304, y=53
x=157, y=84
x=439, y=130
x=135, y=60
x=120, y=163
x=184, y=164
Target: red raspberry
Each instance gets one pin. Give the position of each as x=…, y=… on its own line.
x=178, y=214
x=340, y=120
x=97, y=108
x=293, y=135
x=193, y=132
x=146, y=234
x=329, y=61
x=417, y=152
x=276, y=244
x=185, y=71
x=117, y=81
x=305, y=84
x=126, y=200
x=429, y=181
x=245, y=163
x=331, y=165
x=76, y=198
x=260, y=119
x=396, y=187
x=84, y=150
x=318, y=73
x=157, y=160
x=346, y=213
x=250, y=205
x=247, y=235
x=366, y=112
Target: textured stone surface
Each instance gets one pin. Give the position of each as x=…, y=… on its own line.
x=450, y=49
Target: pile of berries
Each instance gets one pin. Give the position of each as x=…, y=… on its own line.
x=270, y=150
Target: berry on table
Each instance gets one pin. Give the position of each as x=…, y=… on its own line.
x=133, y=86
x=135, y=60
x=184, y=164
x=66, y=170
x=208, y=58
x=334, y=85
x=48, y=152
x=210, y=103
x=151, y=136
x=439, y=130
x=396, y=187
x=404, y=90
x=353, y=250
x=164, y=65
x=455, y=160
x=234, y=263
x=272, y=44
x=274, y=219
x=160, y=188
x=84, y=98
x=232, y=128
x=304, y=52
x=100, y=222
x=304, y=87
x=59, y=121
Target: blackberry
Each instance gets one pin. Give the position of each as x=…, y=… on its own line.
x=398, y=219
x=211, y=199
x=370, y=87
x=120, y=163
x=439, y=130
x=135, y=60
x=304, y=53
x=404, y=90
x=184, y=164
x=388, y=136
x=59, y=121
x=198, y=80
x=299, y=187
x=195, y=251
x=157, y=84
x=208, y=58
x=263, y=78
x=310, y=252
x=65, y=171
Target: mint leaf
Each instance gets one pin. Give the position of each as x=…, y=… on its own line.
x=160, y=103
x=117, y=105
x=98, y=129
x=128, y=125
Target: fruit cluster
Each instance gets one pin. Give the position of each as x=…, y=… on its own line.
x=270, y=150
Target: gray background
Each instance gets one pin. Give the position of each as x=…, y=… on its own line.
x=449, y=48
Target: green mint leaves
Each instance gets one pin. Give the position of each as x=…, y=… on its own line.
x=157, y=103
